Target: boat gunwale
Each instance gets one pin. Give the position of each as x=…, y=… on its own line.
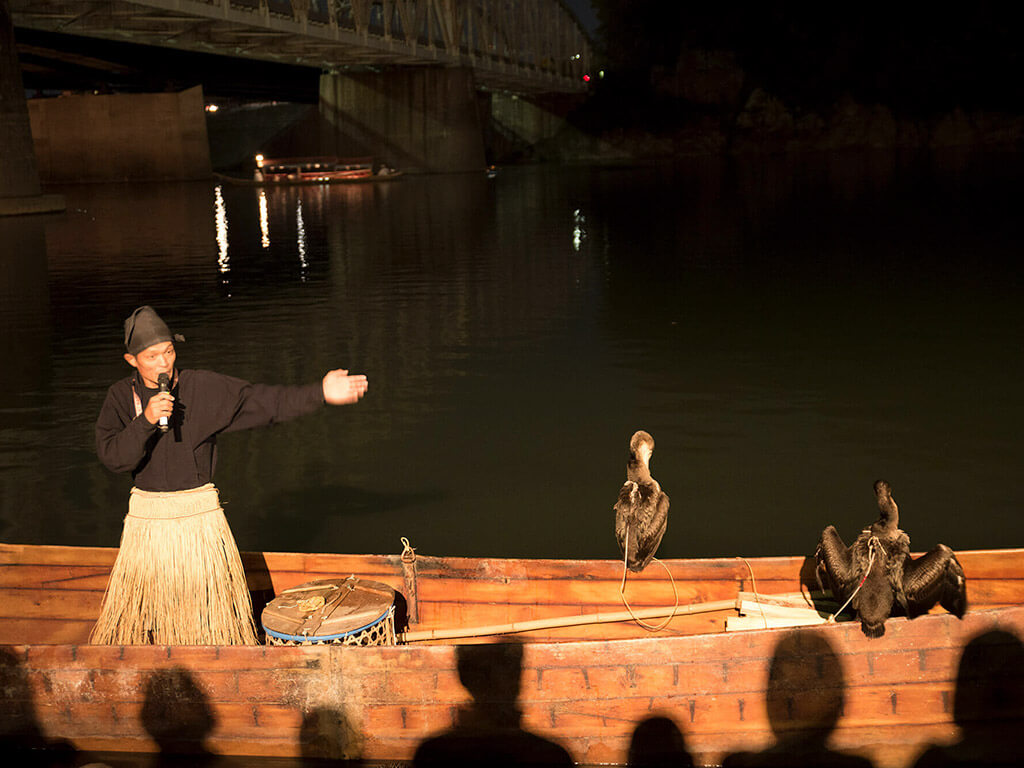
x=895, y=624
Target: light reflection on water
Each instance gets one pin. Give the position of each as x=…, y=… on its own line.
x=788, y=333
x=264, y=220
x=300, y=237
x=221, y=222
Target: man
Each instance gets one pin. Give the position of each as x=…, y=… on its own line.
x=178, y=578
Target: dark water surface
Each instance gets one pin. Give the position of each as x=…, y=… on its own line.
x=788, y=331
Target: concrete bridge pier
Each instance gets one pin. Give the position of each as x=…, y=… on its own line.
x=528, y=120
x=415, y=119
x=519, y=124
x=20, y=191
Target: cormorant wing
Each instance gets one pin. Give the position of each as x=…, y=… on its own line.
x=628, y=494
x=835, y=564
x=650, y=530
x=935, y=577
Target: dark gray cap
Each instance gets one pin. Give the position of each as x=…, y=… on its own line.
x=144, y=328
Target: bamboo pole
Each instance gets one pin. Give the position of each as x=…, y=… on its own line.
x=565, y=621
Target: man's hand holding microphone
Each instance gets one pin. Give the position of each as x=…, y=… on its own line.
x=161, y=405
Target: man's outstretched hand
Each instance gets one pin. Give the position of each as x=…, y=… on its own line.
x=342, y=388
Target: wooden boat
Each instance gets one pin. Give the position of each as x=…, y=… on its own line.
x=373, y=179
x=595, y=689
x=313, y=170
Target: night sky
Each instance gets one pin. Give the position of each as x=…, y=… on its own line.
x=965, y=56
x=584, y=11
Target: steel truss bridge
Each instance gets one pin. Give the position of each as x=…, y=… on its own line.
x=522, y=46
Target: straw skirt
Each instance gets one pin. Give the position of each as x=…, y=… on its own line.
x=178, y=578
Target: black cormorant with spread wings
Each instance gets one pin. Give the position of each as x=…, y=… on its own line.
x=877, y=571
x=641, y=513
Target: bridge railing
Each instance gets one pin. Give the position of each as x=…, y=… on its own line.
x=520, y=45
x=537, y=35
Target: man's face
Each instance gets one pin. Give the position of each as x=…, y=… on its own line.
x=152, y=361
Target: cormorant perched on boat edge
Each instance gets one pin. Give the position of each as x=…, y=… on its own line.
x=877, y=570
x=641, y=512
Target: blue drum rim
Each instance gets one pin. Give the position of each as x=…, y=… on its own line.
x=314, y=639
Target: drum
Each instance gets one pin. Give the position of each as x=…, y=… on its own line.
x=350, y=611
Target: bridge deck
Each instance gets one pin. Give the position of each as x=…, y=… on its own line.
x=526, y=47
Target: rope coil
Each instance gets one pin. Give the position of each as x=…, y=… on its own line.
x=408, y=552
x=625, y=602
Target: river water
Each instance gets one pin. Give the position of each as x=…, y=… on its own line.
x=788, y=330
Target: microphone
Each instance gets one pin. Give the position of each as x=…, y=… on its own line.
x=164, y=382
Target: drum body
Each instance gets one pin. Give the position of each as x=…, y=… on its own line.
x=350, y=611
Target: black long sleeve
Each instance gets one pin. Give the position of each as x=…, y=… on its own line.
x=206, y=404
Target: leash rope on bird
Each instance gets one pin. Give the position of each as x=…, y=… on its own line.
x=873, y=543
x=625, y=602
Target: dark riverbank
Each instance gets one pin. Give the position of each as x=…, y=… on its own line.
x=684, y=80
x=766, y=125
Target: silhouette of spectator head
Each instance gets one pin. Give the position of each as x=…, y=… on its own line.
x=327, y=733
x=990, y=681
x=491, y=672
x=489, y=733
x=18, y=726
x=805, y=698
x=806, y=690
x=658, y=743
x=176, y=713
x=988, y=705
x=22, y=741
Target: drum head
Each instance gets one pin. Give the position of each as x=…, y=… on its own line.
x=327, y=610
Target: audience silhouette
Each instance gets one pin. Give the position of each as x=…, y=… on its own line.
x=805, y=697
x=22, y=741
x=177, y=715
x=988, y=705
x=327, y=734
x=658, y=743
x=489, y=733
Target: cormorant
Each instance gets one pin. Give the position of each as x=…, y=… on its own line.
x=641, y=512
x=878, y=570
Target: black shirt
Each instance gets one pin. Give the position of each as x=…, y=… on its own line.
x=205, y=404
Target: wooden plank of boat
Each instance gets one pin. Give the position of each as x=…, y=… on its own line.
x=588, y=693
x=589, y=696
x=798, y=609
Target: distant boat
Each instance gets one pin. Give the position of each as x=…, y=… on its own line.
x=313, y=170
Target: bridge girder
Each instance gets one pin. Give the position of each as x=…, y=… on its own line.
x=523, y=46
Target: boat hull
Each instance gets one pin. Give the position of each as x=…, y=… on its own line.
x=891, y=697
x=380, y=703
